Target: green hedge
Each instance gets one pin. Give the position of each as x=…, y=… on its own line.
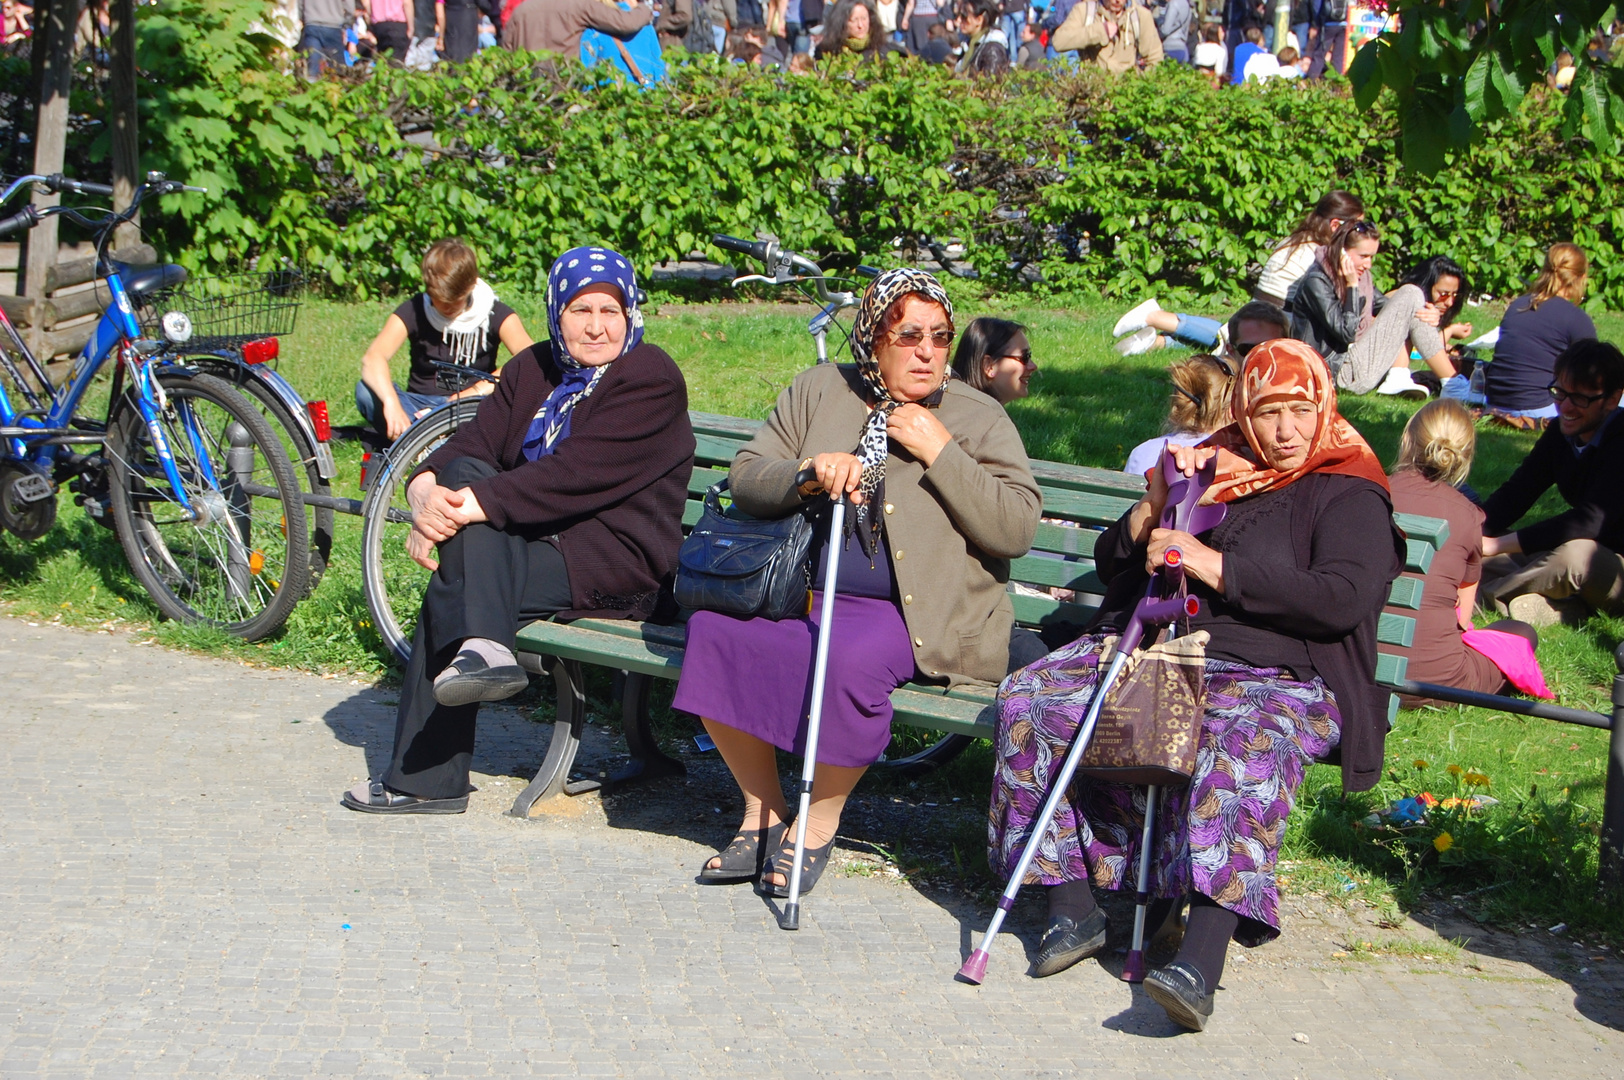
x=1120, y=186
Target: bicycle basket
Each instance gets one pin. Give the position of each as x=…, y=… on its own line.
x=229, y=309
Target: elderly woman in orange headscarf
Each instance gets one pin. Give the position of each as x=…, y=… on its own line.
x=1292, y=583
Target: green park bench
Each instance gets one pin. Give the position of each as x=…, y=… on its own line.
x=1062, y=556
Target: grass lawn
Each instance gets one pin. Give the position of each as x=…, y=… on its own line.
x=1530, y=860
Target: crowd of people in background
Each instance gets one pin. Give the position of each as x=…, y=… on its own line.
x=1232, y=43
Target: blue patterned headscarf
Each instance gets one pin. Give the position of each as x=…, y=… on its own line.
x=573, y=271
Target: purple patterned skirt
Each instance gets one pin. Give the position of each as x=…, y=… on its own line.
x=756, y=675
x=1220, y=835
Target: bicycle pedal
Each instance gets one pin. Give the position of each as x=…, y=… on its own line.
x=31, y=488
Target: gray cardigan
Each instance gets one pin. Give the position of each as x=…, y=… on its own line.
x=952, y=528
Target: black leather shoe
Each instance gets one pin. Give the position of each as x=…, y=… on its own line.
x=468, y=679
x=1180, y=989
x=1067, y=941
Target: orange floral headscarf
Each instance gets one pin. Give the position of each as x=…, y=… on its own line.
x=1290, y=369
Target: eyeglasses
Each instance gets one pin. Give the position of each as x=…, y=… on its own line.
x=1023, y=357
x=1562, y=397
x=1440, y=295
x=910, y=339
x=1362, y=228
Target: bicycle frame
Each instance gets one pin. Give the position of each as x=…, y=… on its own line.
x=40, y=439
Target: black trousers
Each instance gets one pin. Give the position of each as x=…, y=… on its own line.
x=392, y=40
x=490, y=582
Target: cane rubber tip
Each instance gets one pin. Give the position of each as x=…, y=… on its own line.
x=791, y=919
x=1134, y=969
x=975, y=968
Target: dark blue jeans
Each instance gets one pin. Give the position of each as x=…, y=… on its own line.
x=325, y=44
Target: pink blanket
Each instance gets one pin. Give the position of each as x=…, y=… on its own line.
x=1513, y=656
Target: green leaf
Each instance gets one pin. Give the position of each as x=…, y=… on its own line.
x=1365, y=74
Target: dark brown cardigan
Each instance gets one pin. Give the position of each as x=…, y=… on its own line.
x=611, y=494
x=1332, y=611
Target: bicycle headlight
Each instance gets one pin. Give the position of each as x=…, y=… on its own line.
x=177, y=327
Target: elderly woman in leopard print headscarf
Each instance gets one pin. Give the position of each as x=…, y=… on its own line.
x=944, y=499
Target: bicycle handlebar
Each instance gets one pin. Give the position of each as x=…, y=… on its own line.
x=26, y=218
x=58, y=182
x=759, y=250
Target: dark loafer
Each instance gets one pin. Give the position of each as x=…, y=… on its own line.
x=383, y=800
x=1068, y=941
x=468, y=679
x=743, y=859
x=1180, y=989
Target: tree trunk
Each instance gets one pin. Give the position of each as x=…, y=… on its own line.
x=50, y=140
x=126, y=151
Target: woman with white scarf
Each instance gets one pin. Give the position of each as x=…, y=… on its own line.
x=457, y=319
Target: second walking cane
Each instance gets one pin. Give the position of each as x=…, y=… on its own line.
x=791, y=918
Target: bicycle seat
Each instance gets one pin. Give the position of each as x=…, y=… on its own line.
x=141, y=280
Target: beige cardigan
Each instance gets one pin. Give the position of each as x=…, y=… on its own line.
x=952, y=528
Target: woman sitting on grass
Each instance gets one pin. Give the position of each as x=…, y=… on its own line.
x=1434, y=458
x=1537, y=328
x=456, y=319
x=1147, y=326
x=1292, y=584
x=1363, y=333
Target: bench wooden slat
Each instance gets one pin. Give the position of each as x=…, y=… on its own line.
x=1406, y=593
x=1056, y=573
x=1418, y=555
x=1433, y=531
x=1390, y=669
x=1395, y=630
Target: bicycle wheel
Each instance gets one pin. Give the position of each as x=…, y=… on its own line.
x=928, y=760
x=241, y=561
x=318, y=519
x=393, y=583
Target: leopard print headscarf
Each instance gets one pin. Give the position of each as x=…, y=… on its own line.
x=874, y=446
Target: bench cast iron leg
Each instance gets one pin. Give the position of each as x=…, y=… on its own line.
x=552, y=778
x=1612, y=809
x=647, y=762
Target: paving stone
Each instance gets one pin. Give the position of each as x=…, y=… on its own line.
x=176, y=876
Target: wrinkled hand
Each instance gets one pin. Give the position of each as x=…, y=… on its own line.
x=1200, y=561
x=422, y=550
x=836, y=473
x=918, y=431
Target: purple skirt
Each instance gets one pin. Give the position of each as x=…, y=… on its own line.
x=756, y=675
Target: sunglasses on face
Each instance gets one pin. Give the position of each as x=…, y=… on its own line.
x=1024, y=357
x=910, y=339
x=1562, y=397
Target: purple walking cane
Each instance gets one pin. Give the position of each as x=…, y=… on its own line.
x=1166, y=600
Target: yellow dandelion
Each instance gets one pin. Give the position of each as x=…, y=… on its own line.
x=1443, y=842
x=1453, y=770
x=1477, y=779
x=1420, y=764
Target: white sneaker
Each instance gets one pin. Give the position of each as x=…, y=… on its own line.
x=1135, y=319
x=1398, y=382
x=1140, y=341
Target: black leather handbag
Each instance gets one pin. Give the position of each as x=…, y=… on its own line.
x=748, y=567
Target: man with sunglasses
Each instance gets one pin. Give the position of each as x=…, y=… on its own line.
x=1572, y=557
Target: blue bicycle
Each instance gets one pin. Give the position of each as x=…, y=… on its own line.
x=199, y=489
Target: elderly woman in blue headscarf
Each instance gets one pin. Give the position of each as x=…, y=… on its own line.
x=945, y=499
x=563, y=497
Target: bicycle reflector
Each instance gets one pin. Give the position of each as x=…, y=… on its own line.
x=366, y=464
x=257, y=352
x=318, y=418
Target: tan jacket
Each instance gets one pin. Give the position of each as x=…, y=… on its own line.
x=556, y=26
x=952, y=529
x=1136, y=37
